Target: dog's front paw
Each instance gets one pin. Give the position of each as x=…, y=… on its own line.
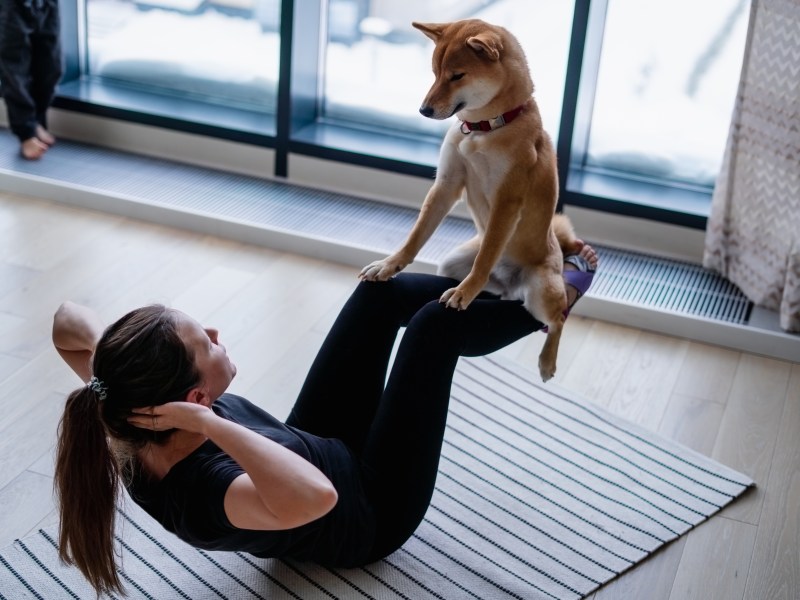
x=457, y=298
x=382, y=270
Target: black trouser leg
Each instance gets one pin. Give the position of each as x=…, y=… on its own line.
x=401, y=454
x=345, y=383
x=396, y=426
x=30, y=62
x=46, y=61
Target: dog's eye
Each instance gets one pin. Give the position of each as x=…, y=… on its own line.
x=456, y=76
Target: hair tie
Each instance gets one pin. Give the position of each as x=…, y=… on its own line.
x=98, y=387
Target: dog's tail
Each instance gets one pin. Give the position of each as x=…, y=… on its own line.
x=565, y=233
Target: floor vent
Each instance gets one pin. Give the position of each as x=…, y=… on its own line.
x=669, y=285
x=265, y=203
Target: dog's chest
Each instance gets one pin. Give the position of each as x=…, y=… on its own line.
x=486, y=166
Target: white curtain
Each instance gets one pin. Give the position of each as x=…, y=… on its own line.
x=753, y=233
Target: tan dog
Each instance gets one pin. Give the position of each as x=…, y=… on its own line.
x=501, y=157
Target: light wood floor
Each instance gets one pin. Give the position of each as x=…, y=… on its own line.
x=273, y=310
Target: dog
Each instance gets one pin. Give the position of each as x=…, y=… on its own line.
x=501, y=160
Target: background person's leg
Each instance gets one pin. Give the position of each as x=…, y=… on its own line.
x=46, y=61
x=15, y=68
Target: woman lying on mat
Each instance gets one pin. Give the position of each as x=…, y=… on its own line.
x=343, y=482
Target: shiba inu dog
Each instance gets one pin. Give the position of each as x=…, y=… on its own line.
x=501, y=160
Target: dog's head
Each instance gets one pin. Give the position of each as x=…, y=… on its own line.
x=474, y=63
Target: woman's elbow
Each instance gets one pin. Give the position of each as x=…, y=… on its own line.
x=315, y=505
x=327, y=498
x=318, y=501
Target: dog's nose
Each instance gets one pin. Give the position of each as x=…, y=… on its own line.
x=426, y=111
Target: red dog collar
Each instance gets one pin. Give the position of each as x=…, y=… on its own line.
x=498, y=121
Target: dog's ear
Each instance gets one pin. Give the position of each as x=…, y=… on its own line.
x=432, y=30
x=487, y=44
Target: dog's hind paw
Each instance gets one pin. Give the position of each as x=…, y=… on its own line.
x=546, y=370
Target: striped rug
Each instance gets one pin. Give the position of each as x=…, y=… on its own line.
x=540, y=495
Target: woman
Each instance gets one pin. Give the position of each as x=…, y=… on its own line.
x=343, y=482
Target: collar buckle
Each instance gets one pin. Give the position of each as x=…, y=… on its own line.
x=491, y=124
x=498, y=121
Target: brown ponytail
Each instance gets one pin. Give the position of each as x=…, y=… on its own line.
x=87, y=483
x=139, y=361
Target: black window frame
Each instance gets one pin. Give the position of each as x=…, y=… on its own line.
x=299, y=127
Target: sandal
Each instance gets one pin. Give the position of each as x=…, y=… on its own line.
x=581, y=279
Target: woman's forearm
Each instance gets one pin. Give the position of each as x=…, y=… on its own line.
x=292, y=490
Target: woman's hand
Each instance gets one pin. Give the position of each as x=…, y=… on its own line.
x=188, y=416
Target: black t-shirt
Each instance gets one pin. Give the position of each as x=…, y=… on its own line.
x=188, y=501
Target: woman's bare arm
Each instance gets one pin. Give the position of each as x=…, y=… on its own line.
x=76, y=331
x=279, y=489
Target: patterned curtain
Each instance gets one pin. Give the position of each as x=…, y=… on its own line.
x=753, y=233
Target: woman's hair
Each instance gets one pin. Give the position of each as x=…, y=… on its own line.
x=139, y=361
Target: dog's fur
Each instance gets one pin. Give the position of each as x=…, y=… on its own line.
x=508, y=175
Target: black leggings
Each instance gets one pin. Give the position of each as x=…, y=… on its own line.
x=396, y=426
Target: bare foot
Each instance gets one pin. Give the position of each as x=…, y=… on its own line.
x=44, y=135
x=590, y=255
x=33, y=148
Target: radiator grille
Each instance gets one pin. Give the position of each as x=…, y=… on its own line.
x=259, y=202
x=629, y=277
x=668, y=285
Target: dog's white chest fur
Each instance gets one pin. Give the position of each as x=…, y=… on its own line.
x=485, y=169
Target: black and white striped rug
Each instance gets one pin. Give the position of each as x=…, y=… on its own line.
x=540, y=495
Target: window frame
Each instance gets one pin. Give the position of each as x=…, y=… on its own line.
x=300, y=127
x=603, y=190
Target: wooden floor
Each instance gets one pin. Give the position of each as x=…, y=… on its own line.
x=273, y=310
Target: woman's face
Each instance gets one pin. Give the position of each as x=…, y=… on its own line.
x=210, y=358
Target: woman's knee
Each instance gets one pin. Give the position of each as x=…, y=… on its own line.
x=483, y=327
x=403, y=295
x=437, y=323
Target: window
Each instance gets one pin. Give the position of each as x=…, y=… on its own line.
x=649, y=101
x=378, y=67
x=663, y=110
x=223, y=53
x=637, y=95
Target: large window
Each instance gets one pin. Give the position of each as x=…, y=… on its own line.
x=221, y=52
x=378, y=68
x=647, y=105
x=667, y=79
x=638, y=93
